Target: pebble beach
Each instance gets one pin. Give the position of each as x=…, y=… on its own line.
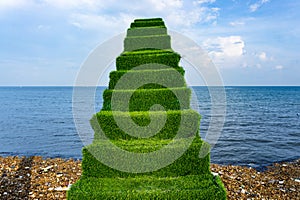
x=38, y=178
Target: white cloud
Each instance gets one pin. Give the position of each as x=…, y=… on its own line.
x=141, y=6
x=88, y=14
x=60, y=5
x=164, y=4
x=279, y=67
x=76, y=4
x=42, y=27
x=237, y=23
x=103, y=23
x=232, y=46
x=242, y=21
x=263, y=56
x=203, y=1
x=254, y=7
x=188, y=18
x=10, y=4
x=91, y=21
x=226, y=52
x=175, y=13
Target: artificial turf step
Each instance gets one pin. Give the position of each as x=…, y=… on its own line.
x=148, y=51
x=146, y=31
x=201, y=187
x=148, y=19
x=147, y=42
x=183, y=155
x=133, y=59
x=144, y=99
x=147, y=22
x=173, y=121
x=171, y=77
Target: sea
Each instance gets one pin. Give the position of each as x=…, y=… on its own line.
x=261, y=123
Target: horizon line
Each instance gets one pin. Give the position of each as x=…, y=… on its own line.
x=188, y=85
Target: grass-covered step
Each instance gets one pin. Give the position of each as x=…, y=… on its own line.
x=147, y=31
x=148, y=19
x=154, y=124
x=172, y=77
x=129, y=60
x=144, y=99
x=181, y=157
x=147, y=22
x=147, y=42
x=201, y=187
x=148, y=51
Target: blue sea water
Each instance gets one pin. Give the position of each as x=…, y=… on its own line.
x=262, y=124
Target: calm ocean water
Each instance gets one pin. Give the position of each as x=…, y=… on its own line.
x=262, y=123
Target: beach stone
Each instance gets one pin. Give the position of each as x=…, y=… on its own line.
x=72, y=171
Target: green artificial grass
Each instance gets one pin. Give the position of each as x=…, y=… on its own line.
x=148, y=52
x=144, y=99
x=188, y=163
x=171, y=77
x=149, y=19
x=146, y=31
x=130, y=60
x=187, y=120
x=147, y=23
x=201, y=187
x=141, y=150
x=147, y=42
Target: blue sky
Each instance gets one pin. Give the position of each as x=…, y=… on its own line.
x=252, y=42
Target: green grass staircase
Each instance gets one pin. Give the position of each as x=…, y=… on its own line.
x=147, y=58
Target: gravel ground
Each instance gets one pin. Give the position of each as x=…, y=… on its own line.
x=37, y=178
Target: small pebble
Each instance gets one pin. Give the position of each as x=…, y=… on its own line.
x=61, y=189
x=215, y=174
x=272, y=181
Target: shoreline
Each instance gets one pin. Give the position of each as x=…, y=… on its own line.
x=49, y=178
x=257, y=167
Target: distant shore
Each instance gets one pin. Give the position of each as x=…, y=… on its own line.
x=38, y=178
